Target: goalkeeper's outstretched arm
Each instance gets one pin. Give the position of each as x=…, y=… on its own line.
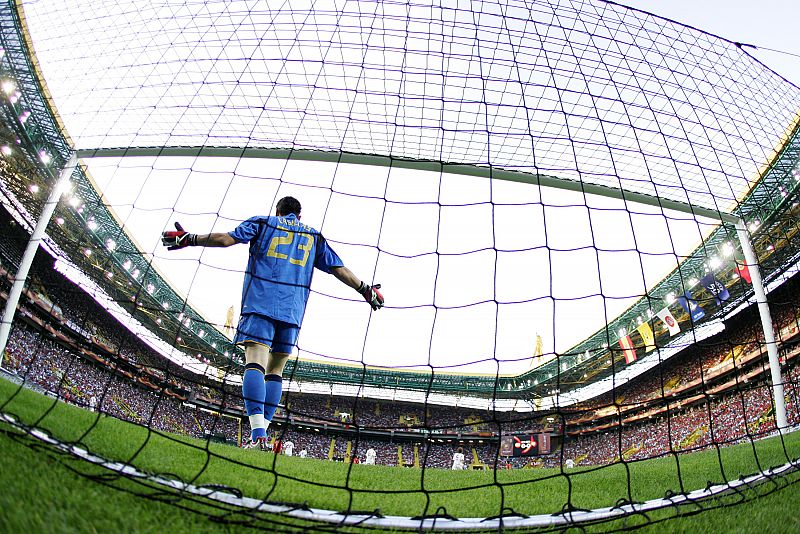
x=180, y=238
x=370, y=293
x=215, y=240
x=346, y=276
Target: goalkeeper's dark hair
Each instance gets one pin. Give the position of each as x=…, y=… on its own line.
x=288, y=205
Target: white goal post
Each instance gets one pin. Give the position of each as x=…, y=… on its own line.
x=21, y=276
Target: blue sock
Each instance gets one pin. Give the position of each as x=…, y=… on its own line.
x=253, y=393
x=274, y=389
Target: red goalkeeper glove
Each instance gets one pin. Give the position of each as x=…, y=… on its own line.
x=180, y=239
x=372, y=295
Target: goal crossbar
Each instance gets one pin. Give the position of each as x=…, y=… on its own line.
x=377, y=160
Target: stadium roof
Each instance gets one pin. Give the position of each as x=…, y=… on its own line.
x=590, y=92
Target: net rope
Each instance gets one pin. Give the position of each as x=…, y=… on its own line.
x=491, y=284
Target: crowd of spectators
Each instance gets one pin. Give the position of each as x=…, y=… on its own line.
x=714, y=422
x=388, y=415
x=71, y=377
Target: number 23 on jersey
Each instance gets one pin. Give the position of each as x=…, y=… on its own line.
x=285, y=243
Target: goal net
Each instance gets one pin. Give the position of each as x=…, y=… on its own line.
x=582, y=215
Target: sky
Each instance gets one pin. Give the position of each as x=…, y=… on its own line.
x=771, y=24
x=472, y=269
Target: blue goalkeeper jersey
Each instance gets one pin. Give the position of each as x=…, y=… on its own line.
x=283, y=254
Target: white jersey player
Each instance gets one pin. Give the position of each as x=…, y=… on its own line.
x=303, y=453
x=458, y=459
x=288, y=448
x=370, y=457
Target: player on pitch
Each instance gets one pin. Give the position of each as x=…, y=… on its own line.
x=283, y=254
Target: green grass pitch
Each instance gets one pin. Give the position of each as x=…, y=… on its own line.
x=45, y=489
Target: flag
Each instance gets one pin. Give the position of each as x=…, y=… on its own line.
x=716, y=288
x=647, y=336
x=744, y=273
x=537, y=351
x=666, y=316
x=627, y=349
x=691, y=306
x=538, y=354
x=228, y=321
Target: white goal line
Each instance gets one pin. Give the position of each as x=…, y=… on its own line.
x=400, y=522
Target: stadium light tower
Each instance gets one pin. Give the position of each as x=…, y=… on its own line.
x=21, y=275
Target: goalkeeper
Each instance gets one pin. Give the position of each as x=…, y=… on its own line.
x=283, y=254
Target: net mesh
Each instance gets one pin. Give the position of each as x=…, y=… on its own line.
x=590, y=91
x=558, y=308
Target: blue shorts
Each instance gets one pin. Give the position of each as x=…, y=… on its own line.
x=255, y=328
